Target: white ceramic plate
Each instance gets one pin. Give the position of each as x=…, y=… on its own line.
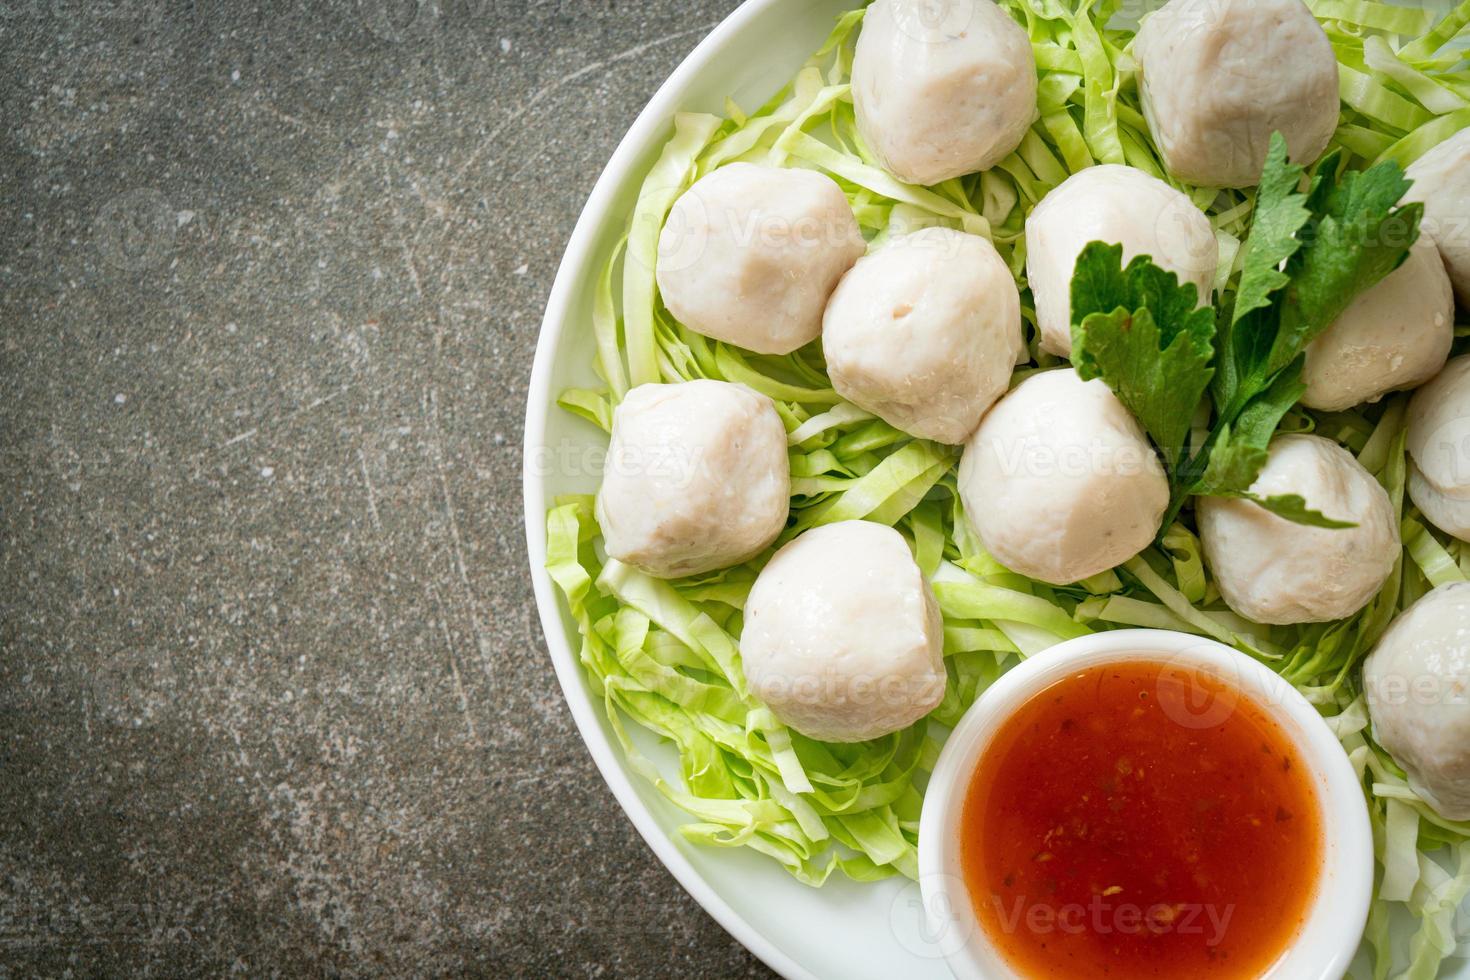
x=845, y=929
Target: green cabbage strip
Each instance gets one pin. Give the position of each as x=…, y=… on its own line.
x=594, y=406
x=1428, y=91
x=664, y=183
x=1432, y=558
x=1377, y=16
x=1403, y=83
x=664, y=656
x=605, y=330
x=963, y=596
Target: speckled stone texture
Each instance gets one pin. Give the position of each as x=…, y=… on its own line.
x=273, y=696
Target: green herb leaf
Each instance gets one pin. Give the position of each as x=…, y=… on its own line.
x=1356, y=238
x=1308, y=255
x=1293, y=507
x=1249, y=329
x=1239, y=450
x=1142, y=332
x=1280, y=213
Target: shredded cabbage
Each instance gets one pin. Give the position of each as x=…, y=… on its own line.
x=665, y=655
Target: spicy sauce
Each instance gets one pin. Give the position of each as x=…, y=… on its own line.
x=1141, y=820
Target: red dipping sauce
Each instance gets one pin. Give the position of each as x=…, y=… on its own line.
x=1141, y=820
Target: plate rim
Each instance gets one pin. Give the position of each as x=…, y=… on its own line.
x=647, y=126
x=653, y=121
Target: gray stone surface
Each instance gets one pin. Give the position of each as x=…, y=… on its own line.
x=273, y=696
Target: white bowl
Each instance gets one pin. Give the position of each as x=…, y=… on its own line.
x=846, y=929
x=1321, y=950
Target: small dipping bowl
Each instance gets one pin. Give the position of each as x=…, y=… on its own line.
x=1323, y=946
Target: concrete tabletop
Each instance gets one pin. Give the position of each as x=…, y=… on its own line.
x=274, y=699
